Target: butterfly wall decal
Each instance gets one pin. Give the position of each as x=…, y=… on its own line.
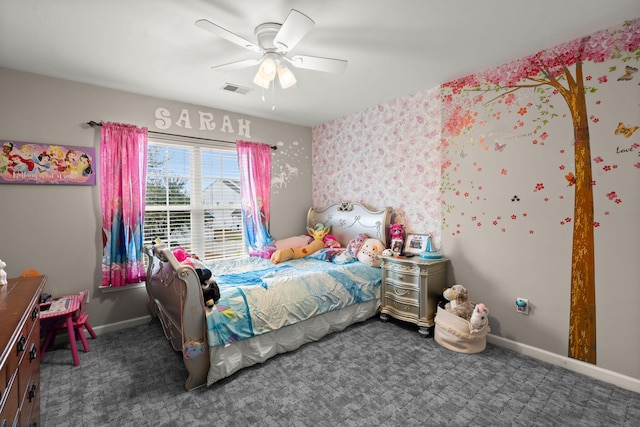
x=628, y=73
x=624, y=130
x=571, y=179
x=499, y=147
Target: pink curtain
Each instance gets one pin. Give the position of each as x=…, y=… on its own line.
x=123, y=166
x=254, y=161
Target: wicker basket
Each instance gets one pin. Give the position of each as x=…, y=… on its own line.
x=457, y=334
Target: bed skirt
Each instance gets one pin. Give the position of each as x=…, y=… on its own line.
x=227, y=359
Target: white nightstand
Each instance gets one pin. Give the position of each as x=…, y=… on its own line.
x=410, y=289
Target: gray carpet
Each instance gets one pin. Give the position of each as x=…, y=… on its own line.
x=371, y=374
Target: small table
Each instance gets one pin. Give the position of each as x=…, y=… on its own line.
x=61, y=309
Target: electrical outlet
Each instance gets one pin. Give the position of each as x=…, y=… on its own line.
x=522, y=305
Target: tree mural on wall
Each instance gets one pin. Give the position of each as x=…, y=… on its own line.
x=549, y=74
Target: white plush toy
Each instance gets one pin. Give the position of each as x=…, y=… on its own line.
x=3, y=274
x=480, y=316
x=370, y=252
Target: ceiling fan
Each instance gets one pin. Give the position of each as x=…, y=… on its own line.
x=274, y=42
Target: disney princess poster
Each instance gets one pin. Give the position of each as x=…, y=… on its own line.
x=33, y=163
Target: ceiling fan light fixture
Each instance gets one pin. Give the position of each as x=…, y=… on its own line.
x=285, y=77
x=267, y=68
x=261, y=81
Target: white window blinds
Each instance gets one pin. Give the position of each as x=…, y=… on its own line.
x=193, y=197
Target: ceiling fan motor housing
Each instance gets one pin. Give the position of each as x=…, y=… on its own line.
x=265, y=33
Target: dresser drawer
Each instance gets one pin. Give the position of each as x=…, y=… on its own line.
x=20, y=337
x=30, y=408
x=29, y=369
x=11, y=404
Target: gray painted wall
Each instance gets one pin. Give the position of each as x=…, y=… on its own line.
x=56, y=229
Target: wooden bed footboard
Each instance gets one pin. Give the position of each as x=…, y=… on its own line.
x=175, y=297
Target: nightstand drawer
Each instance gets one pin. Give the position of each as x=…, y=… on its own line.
x=403, y=276
x=403, y=306
x=394, y=291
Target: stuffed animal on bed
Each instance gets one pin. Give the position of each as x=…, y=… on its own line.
x=370, y=252
x=318, y=233
x=210, y=290
x=330, y=241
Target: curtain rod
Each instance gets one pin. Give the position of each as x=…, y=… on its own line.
x=93, y=123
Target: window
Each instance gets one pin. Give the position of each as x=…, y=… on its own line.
x=193, y=198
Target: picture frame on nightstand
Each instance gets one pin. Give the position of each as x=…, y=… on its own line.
x=415, y=243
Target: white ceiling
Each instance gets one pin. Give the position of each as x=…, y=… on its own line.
x=394, y=47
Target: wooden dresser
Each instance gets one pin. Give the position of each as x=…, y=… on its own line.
x=20, y=362
x=410, y=290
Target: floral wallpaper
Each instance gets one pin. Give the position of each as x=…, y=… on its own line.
x=387, y=155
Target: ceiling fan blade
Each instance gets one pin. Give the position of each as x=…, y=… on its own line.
x=226, y=34
x=232, y=66
x=328, y=65
x=294, y=28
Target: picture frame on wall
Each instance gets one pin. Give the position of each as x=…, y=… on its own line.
x=36, y=163
x=415, y=243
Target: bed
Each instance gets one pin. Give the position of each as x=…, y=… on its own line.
x=234, y=334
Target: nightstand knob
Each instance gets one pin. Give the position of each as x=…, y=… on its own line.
x=400, y=292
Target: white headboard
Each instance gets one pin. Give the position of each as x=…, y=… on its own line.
x=348, y=219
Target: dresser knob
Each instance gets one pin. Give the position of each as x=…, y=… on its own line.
x=32, y=392
x=33, y=353
x=21, y=343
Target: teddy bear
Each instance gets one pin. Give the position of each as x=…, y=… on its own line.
x=459, y=303
x=396, y=231
x=318, y=233
x=370, y=252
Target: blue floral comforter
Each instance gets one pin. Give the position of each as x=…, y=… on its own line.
x=257, y=296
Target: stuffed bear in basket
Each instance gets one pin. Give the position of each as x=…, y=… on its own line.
x=461, y=325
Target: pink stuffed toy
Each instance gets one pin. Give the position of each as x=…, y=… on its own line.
x=181, y=254
x=397, y=238
x=330, y=241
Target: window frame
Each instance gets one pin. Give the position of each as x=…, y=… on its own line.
x=202, y=236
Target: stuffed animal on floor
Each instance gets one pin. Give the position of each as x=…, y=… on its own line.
x=318, y=235
x=480, y=316
x=370, y=252
x=459, y=303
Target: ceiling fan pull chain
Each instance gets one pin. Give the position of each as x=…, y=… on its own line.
x=273, y=90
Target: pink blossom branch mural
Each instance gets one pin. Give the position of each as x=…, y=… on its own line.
x=547, y=77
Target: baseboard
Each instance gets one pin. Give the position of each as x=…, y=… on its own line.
x=574, y=365
x=130, y=323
